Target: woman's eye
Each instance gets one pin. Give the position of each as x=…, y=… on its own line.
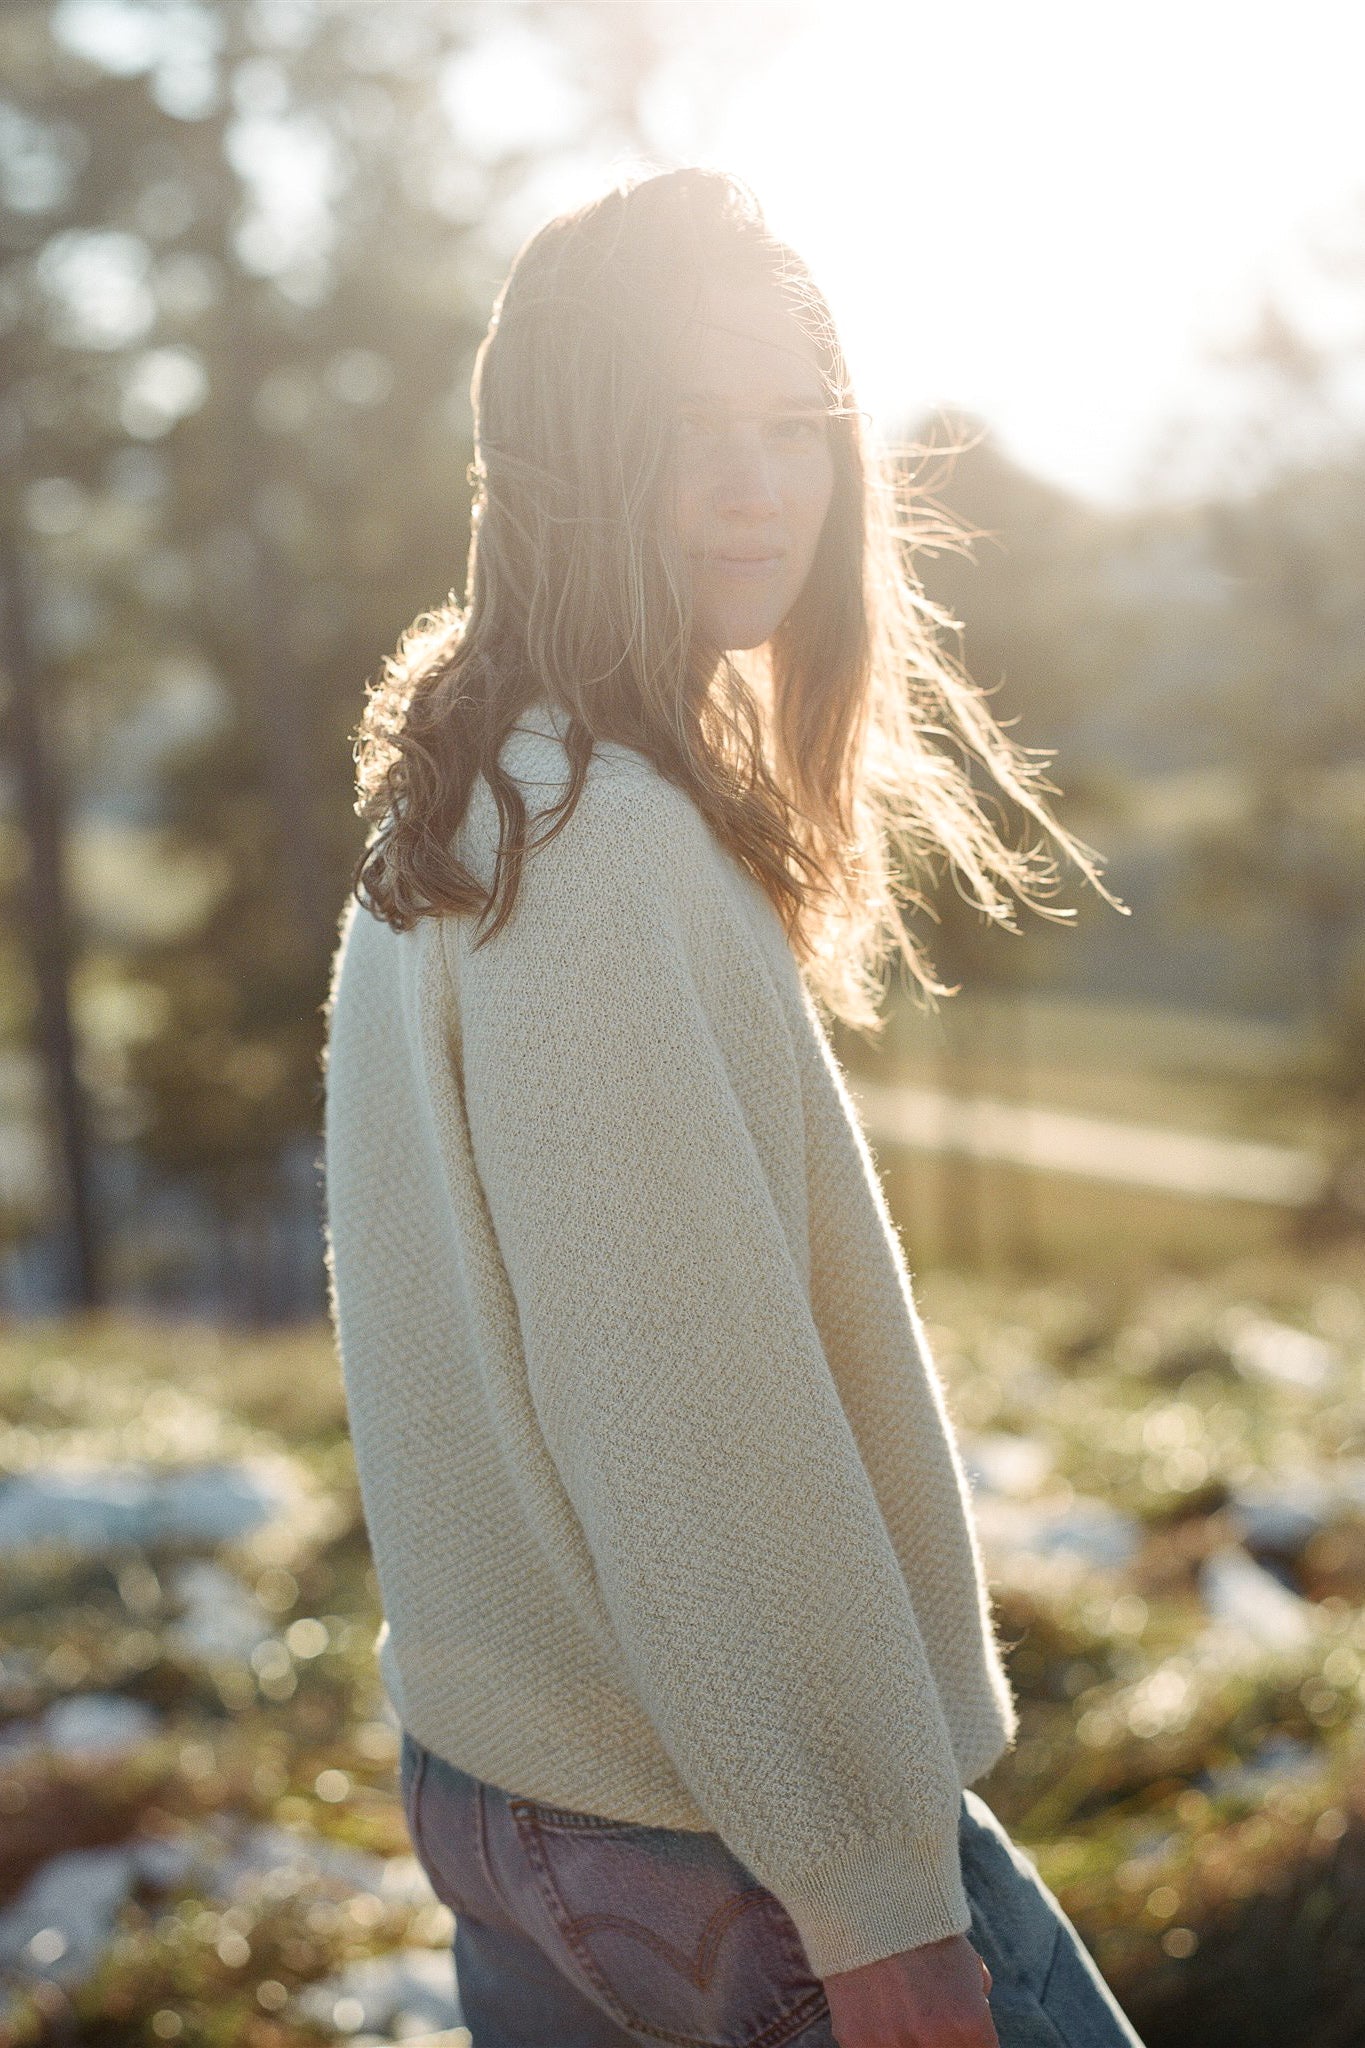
x=801, y=427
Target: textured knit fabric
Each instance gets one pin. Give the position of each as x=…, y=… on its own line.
x=666, y=1512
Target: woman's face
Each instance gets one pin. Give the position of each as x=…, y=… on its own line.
x=753, y=471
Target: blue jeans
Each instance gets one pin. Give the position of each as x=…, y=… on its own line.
x=576, y=1931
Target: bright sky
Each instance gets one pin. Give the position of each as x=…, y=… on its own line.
x=1049, y=212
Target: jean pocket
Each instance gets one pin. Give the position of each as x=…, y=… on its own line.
x=668, y=1931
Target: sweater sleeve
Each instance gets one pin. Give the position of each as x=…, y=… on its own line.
x=683, y=1391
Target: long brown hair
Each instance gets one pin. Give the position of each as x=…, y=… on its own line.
x=818, y=763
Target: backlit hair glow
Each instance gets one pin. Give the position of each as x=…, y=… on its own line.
x=832, y=766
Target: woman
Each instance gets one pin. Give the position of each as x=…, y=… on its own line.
x=685, y=1622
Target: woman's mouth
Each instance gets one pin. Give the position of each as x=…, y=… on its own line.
x=747, y=568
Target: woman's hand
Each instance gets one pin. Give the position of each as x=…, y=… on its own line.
x=929, y=1997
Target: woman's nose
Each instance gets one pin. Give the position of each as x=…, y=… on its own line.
x=746, y=483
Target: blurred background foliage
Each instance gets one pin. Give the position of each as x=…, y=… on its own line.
x=247, y=251
x=247, y=259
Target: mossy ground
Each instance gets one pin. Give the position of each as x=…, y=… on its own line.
x=1196, y=1801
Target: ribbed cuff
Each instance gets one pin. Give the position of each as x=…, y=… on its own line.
x=874, y=1898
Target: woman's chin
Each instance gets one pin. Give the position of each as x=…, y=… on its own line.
x=740, y=633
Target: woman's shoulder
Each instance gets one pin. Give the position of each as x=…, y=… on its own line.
x=627, y=817
x=536, y=753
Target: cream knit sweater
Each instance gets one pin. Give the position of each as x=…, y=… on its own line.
x=665, y=1507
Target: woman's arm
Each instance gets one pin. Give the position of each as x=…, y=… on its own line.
x=684, y=1394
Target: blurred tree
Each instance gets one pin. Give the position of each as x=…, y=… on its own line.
x=64, y=313
x=47, y=917
x=249, y=250
x=1021, y=588
x=1014, y=563
x=1289, y=532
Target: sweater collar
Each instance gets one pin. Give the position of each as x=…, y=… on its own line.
x=546, y=719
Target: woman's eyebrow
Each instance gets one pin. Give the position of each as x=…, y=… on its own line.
x=790, y=401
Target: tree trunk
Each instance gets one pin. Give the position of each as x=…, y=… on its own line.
x=47, y=915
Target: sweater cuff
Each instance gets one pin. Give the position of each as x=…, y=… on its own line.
x=874, y=1898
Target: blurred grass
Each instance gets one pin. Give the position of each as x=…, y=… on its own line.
x=1145, y=1063
x=1197, y=1803
x=1222, y=1909
x=1139, y=1064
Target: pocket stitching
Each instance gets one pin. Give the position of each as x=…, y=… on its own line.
x=773, y=2034
x=699, y=1967
x=570, y=1818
